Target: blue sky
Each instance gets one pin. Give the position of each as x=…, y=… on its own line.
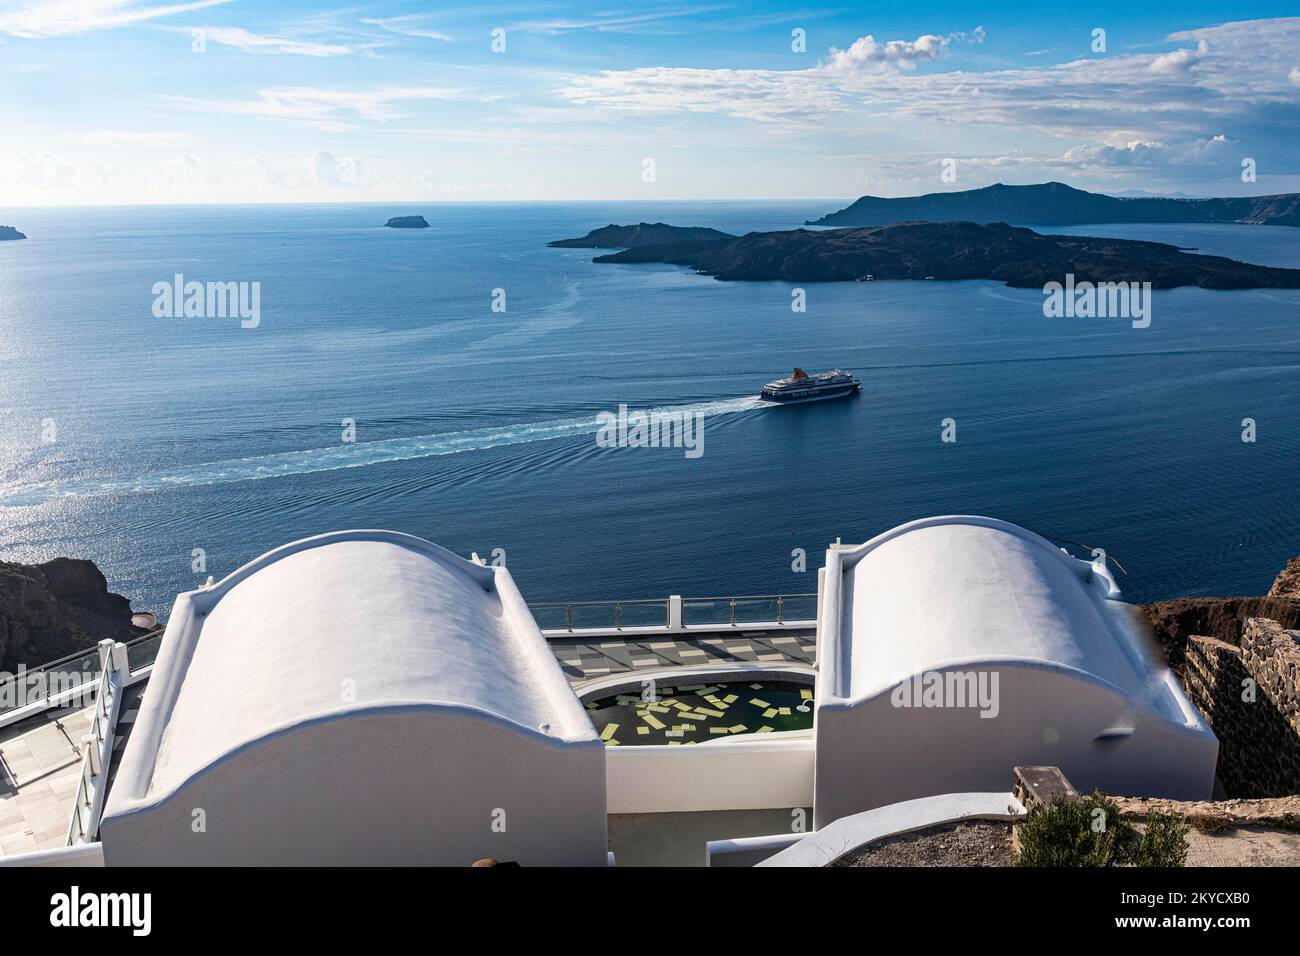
x=122, y=101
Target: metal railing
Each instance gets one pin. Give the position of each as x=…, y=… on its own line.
x=97, y=750
x=54, y=683
x=658, y=613
x=141, y=652
x=749, y=608
x=580, y=615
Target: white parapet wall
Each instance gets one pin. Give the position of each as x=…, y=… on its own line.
x=749, y=851
x=770, y=772
x=825, y=846
x=83, y=854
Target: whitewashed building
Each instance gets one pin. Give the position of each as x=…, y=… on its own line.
x=361, y=697
x=954, y=648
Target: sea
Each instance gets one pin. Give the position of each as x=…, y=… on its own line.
x=449, y=382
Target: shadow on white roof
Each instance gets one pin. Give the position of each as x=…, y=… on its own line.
x=343, y=623
x=961, y=589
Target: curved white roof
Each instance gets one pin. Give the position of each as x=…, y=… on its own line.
x=962, y=589
x=346, y=622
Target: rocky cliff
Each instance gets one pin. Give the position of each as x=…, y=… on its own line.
x=1174, y=621
x=51, y=610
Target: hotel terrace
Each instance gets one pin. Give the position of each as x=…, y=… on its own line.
x=367, y=697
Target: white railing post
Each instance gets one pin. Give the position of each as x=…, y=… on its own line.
x=90, y=746
x=121, y=662
x=675, y=613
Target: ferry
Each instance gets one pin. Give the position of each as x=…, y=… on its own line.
x=802, y=387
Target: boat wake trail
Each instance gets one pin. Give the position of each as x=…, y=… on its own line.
x=358, y=455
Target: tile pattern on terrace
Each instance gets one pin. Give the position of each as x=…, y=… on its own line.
x=40, y=770
x=586, y=658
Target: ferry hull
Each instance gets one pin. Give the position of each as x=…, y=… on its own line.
x=797, y=398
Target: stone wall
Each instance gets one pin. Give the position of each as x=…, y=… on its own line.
x=1174, y=622
x=1258, y=724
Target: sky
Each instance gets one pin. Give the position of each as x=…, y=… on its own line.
x=238, y=101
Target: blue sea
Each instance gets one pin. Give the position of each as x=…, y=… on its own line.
x=135, y=440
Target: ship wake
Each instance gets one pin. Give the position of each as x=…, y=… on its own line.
x=348, y=455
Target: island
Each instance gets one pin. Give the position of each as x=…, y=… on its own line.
x=1013, y=255
x=407, y=222
x=1056, y=204
x=9, y=232
x=642, y=234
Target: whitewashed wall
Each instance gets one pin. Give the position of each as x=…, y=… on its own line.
x=405, y=786
x=756, y=774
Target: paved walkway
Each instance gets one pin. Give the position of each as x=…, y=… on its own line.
x=1244, y=846
x=40, y=770
x=583, y=659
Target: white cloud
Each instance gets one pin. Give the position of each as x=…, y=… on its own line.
x=35, y=19
x=409, y=26
x=43, y=169
x=250, y=42
x=1207, y=153
x=321, y=169
x=765, y=95
x=1238, y=79
x=1178, y=61
x=867, y=54
x=615, y=23
x=331, y=110
x=137, y=138
x=1294, y=75
x=187, y=170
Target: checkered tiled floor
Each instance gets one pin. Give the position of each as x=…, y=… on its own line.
x=582, y=659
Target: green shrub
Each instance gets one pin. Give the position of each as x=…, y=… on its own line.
x=1088, y=831
x=1164, y=843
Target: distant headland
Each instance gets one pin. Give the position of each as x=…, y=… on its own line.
x=9, y=232
x=642, y=234
x=1056, y=204
x=407, y=222
x=1014, y=255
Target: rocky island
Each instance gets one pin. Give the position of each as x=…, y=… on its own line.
x=9, y=232
x=1014, y=255
x=1056, y=204
x=642, y=234
x=407, y=222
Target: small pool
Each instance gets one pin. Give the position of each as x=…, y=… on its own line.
x=693, y=713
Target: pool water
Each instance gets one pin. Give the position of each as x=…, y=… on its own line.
x=693, y=713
